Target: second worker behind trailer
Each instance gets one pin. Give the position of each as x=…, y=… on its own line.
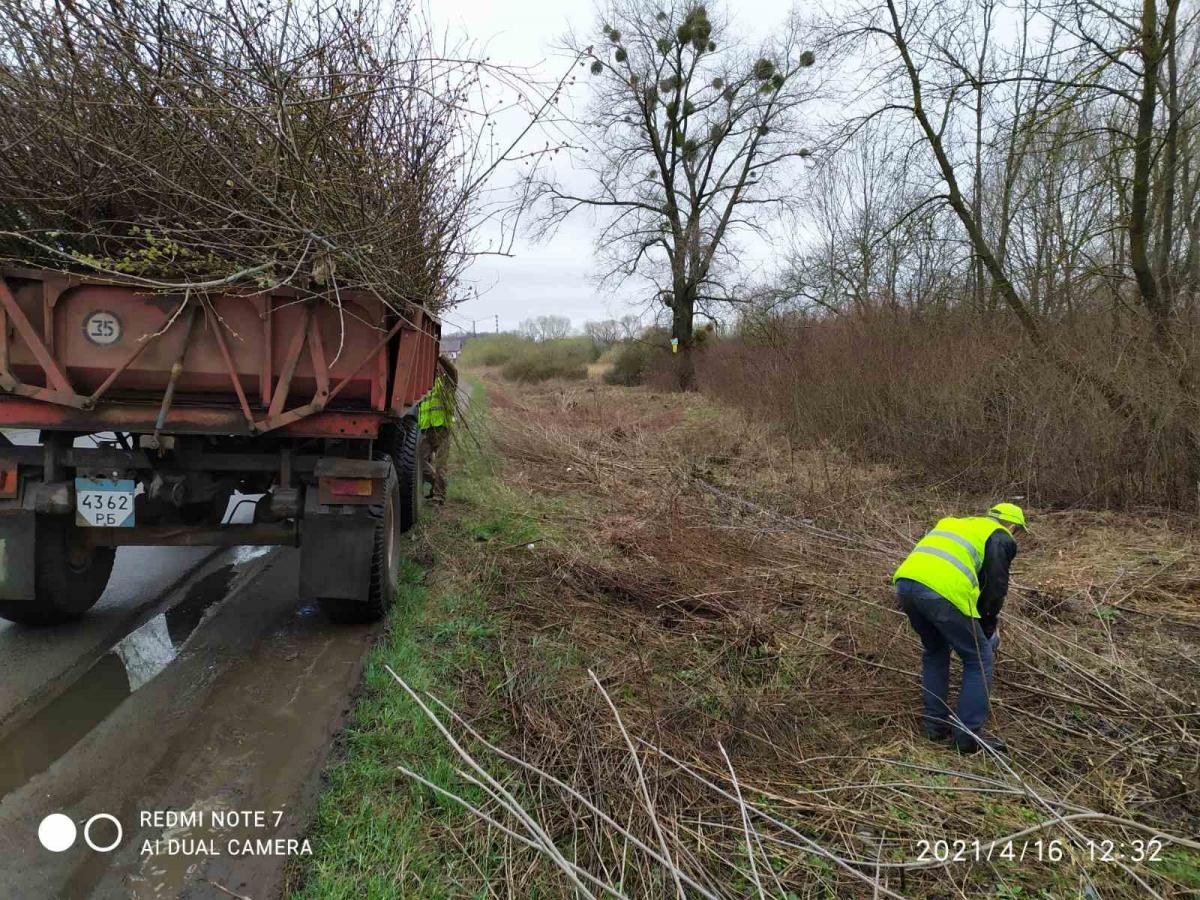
x=435, y=417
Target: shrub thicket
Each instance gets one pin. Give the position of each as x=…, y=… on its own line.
x=630, y=363
x=579, y=348
x=493, y=349
x=523, y=359
x=550, y=359
x=637, y=361
x=962, y=397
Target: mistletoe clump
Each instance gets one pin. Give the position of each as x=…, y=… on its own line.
x=696, y=30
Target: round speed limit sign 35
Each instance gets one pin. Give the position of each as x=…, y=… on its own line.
x=102, y=327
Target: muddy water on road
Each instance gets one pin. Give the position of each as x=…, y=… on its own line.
x=132, y=662
x=226, y=701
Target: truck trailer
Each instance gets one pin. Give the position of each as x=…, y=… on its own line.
x=154, y=406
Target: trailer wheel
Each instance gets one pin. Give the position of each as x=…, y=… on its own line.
x=410, y=472
x=385, y=563
x=68, y=577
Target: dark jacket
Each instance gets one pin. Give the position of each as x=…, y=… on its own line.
x=998, y=555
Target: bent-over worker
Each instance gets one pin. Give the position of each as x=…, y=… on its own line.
x=952, y=588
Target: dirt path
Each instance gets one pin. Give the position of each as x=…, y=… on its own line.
x=225, y=702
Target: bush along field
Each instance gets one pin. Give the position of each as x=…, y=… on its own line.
x=656, y=654
x=523, y=359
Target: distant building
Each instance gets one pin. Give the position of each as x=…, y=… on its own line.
x=452, y=344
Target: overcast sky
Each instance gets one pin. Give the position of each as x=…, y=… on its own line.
x=557, y=276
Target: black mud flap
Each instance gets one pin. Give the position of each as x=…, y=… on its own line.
x=17, y=535
x=335, y=554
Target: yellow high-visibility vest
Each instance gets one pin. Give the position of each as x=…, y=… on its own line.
x=437, y=409
x=948, y=560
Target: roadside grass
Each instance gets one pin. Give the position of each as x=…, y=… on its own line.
x=378, y=834
x=374, y=830
x=731, y=594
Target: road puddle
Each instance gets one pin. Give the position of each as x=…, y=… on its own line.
x=129, y=665
x=163, y=874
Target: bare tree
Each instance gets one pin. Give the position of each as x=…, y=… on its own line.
x=873, y=239
x=545, y=328
x=604, y=333
x=631, y=326
x=1067, y=155
x=690, y=140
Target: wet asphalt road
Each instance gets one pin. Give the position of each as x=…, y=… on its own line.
x=198, y=684
x=33, y=660
x=222, y=696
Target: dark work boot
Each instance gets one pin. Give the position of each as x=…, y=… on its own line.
x=968, y=742
x=937, y=735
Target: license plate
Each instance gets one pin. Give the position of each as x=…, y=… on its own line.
x=104, y=502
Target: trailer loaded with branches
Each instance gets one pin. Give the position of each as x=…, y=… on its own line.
x=226, y=229
x=153, y=408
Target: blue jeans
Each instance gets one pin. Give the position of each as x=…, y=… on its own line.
x=942, y=628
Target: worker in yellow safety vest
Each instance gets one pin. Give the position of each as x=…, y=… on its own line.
x=435, y=417
x=952, y=587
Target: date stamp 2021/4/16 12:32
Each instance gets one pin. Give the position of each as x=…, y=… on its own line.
x=1040, y=851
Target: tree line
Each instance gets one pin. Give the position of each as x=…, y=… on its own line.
x=1008, y=160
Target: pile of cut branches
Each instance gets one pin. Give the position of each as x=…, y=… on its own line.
x=325, y=146
x=751, y=727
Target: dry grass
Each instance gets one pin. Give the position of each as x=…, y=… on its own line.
x=597, y=370
x=731, y=595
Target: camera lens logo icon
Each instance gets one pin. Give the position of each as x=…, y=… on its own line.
x=57, y=832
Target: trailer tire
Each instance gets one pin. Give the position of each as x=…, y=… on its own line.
x=410, y=472
x=385, y=563
x=68, y=579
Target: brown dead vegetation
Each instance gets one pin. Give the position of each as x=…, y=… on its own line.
x=965, y=400
x=730, y=593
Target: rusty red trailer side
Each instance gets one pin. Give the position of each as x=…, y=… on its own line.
x=230, y=362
